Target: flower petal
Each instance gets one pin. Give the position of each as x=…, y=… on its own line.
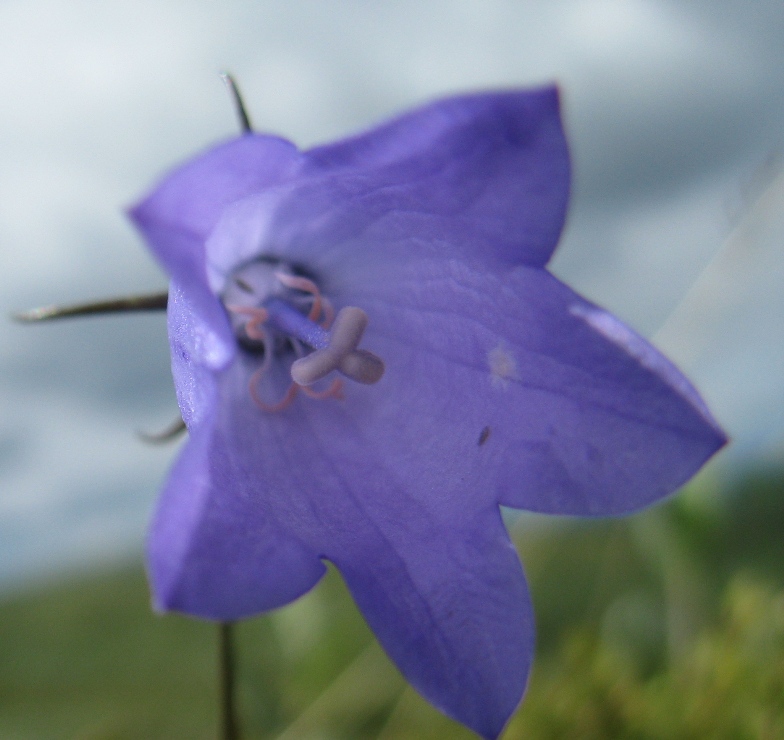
x=201, y=343
x=212, y=552
x=516, y=383
x=438, y=581
x=451, y=608
x=478, y=176
x=492, y=167
x=177, y=216
x=501, y=386
x=175, y=220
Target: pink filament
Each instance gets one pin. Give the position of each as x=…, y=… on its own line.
x=253, y=328
x=320, y=304
x=258, y=317
x=289, y=396
x=335, y=390
x=306, y=286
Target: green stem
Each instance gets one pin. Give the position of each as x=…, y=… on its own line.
x=229, y=726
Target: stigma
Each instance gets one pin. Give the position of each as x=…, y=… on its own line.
x=281, y=316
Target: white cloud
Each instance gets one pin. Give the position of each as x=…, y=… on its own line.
x=657, y=97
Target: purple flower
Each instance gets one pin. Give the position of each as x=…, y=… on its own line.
x=458, y=375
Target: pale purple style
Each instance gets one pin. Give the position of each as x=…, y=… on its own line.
x=500, y=385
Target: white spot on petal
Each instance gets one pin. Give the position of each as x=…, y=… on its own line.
x=503, y=366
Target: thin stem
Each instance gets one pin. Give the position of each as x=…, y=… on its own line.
x=173, y=431
x=229, y=726
x=239, y=103
x=154, y=302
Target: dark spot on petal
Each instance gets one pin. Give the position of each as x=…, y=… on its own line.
x=243, y=285
x=483, y=435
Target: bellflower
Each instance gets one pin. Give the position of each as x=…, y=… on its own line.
x=370, y=358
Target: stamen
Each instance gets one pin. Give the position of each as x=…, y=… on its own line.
x=255, y=381
x=329, y=312
x=291, y=394
x=275, y=311
x=306, y=286
x=335, y=390
x=258, y=316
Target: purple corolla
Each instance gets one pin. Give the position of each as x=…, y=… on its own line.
x=370, y=358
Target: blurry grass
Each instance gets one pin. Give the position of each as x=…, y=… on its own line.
x=728, y=683
x=669, y=624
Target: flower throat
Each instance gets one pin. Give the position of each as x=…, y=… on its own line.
x=275, y=312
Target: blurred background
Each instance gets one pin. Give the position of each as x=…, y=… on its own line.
x=666, y=624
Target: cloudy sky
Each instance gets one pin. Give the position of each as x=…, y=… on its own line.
x=675, y=112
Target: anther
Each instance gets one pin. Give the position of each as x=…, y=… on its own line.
x=341, y=353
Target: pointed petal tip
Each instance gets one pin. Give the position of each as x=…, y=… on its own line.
x=492, y=727
x=722, y=440
x=456, y=619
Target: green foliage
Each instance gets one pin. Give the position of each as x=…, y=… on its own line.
x=727, y=683
x=665, y=625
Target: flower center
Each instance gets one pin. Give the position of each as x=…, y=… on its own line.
x=276, y=313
